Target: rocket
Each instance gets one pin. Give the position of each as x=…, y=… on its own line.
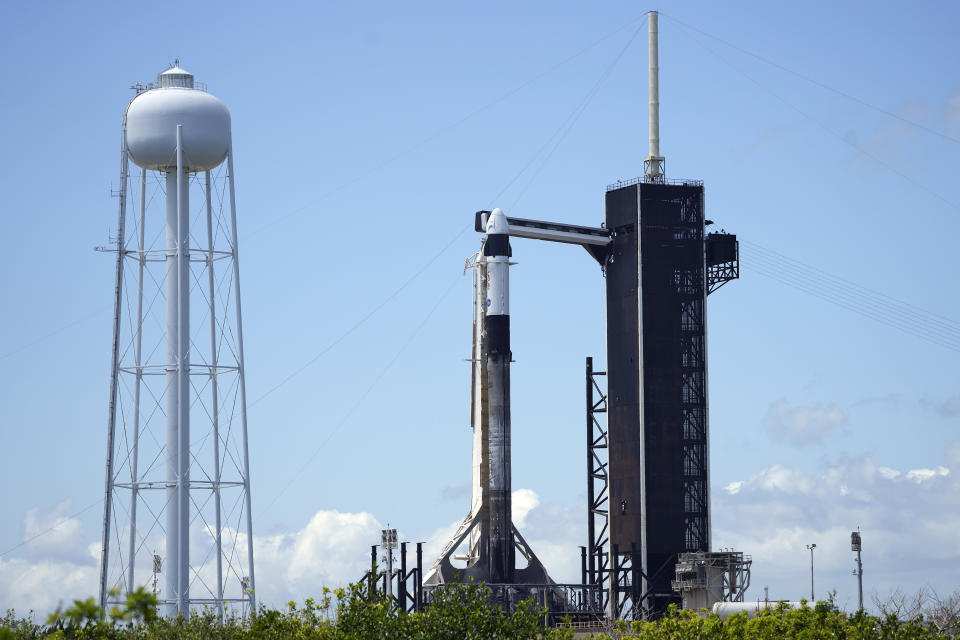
x=496, y=326
x=492, y=541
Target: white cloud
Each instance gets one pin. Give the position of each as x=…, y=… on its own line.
x=54, y=534
x=332, y=549
x=922, y=475
x=908, y=519
x=888, y=473
x=41, y=585
x=57, y=563
x=524, y=501
x=803, y=425
x=773, y=478
x=554, y=531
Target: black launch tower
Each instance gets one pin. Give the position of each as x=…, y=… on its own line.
x=660, y=267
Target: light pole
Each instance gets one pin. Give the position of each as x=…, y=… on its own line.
x=811, y=547
x=856, y=545
x=388, y=540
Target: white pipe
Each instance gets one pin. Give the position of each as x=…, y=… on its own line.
x=725, y=609
x=654, y=87
x=138, y=362
x=172, y=410
x=183, y=371
x=178, y=391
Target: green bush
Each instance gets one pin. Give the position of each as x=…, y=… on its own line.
x=820, y=622
x=458, y=612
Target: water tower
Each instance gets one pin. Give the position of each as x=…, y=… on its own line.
x=177, y=476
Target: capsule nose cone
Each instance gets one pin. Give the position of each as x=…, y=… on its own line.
x=497, y=223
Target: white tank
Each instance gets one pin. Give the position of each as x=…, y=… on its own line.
x=724, y=609
x=153, y=116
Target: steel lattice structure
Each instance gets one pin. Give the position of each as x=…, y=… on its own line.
x=210, y=488
x=597, y=565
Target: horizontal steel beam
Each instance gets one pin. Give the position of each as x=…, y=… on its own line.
x=551, y=231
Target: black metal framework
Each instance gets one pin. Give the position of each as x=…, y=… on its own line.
x=723, y=259
x=407, y=584
x=685, y=243
x=626, y=599
x=689, y=280
x=596, y=562
x=578, y=602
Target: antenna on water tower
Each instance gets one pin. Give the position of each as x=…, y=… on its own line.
x=654, y=164
x=177, y=476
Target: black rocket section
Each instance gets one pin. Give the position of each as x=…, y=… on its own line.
x=496, y=325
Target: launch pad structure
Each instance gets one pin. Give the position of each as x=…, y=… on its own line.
x=647, y=419
x=648, y=508
x=648, y=511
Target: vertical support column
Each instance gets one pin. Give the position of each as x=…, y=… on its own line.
x=243, y=376
x=372, y=585
x=583, y=565
x=859, y=582
x=138, y=364
x=615, y=582
x=418, y=593
x=388, y=576
x=180, y=331
x=215, y=397
x=114, y=368
x=598, y=494
x=172, y=406
x=402, y=582
x=591, y=532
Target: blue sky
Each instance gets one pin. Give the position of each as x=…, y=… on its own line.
x=367, y=134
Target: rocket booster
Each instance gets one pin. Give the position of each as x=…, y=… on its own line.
x=493, y=541
x=496, y=326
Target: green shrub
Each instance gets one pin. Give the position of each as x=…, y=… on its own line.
x=457, y=612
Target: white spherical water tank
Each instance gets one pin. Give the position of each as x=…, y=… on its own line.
x=153, y=116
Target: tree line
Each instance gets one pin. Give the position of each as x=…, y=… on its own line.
x=464, y=612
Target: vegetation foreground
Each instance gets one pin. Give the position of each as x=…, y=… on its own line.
x=458, y=612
